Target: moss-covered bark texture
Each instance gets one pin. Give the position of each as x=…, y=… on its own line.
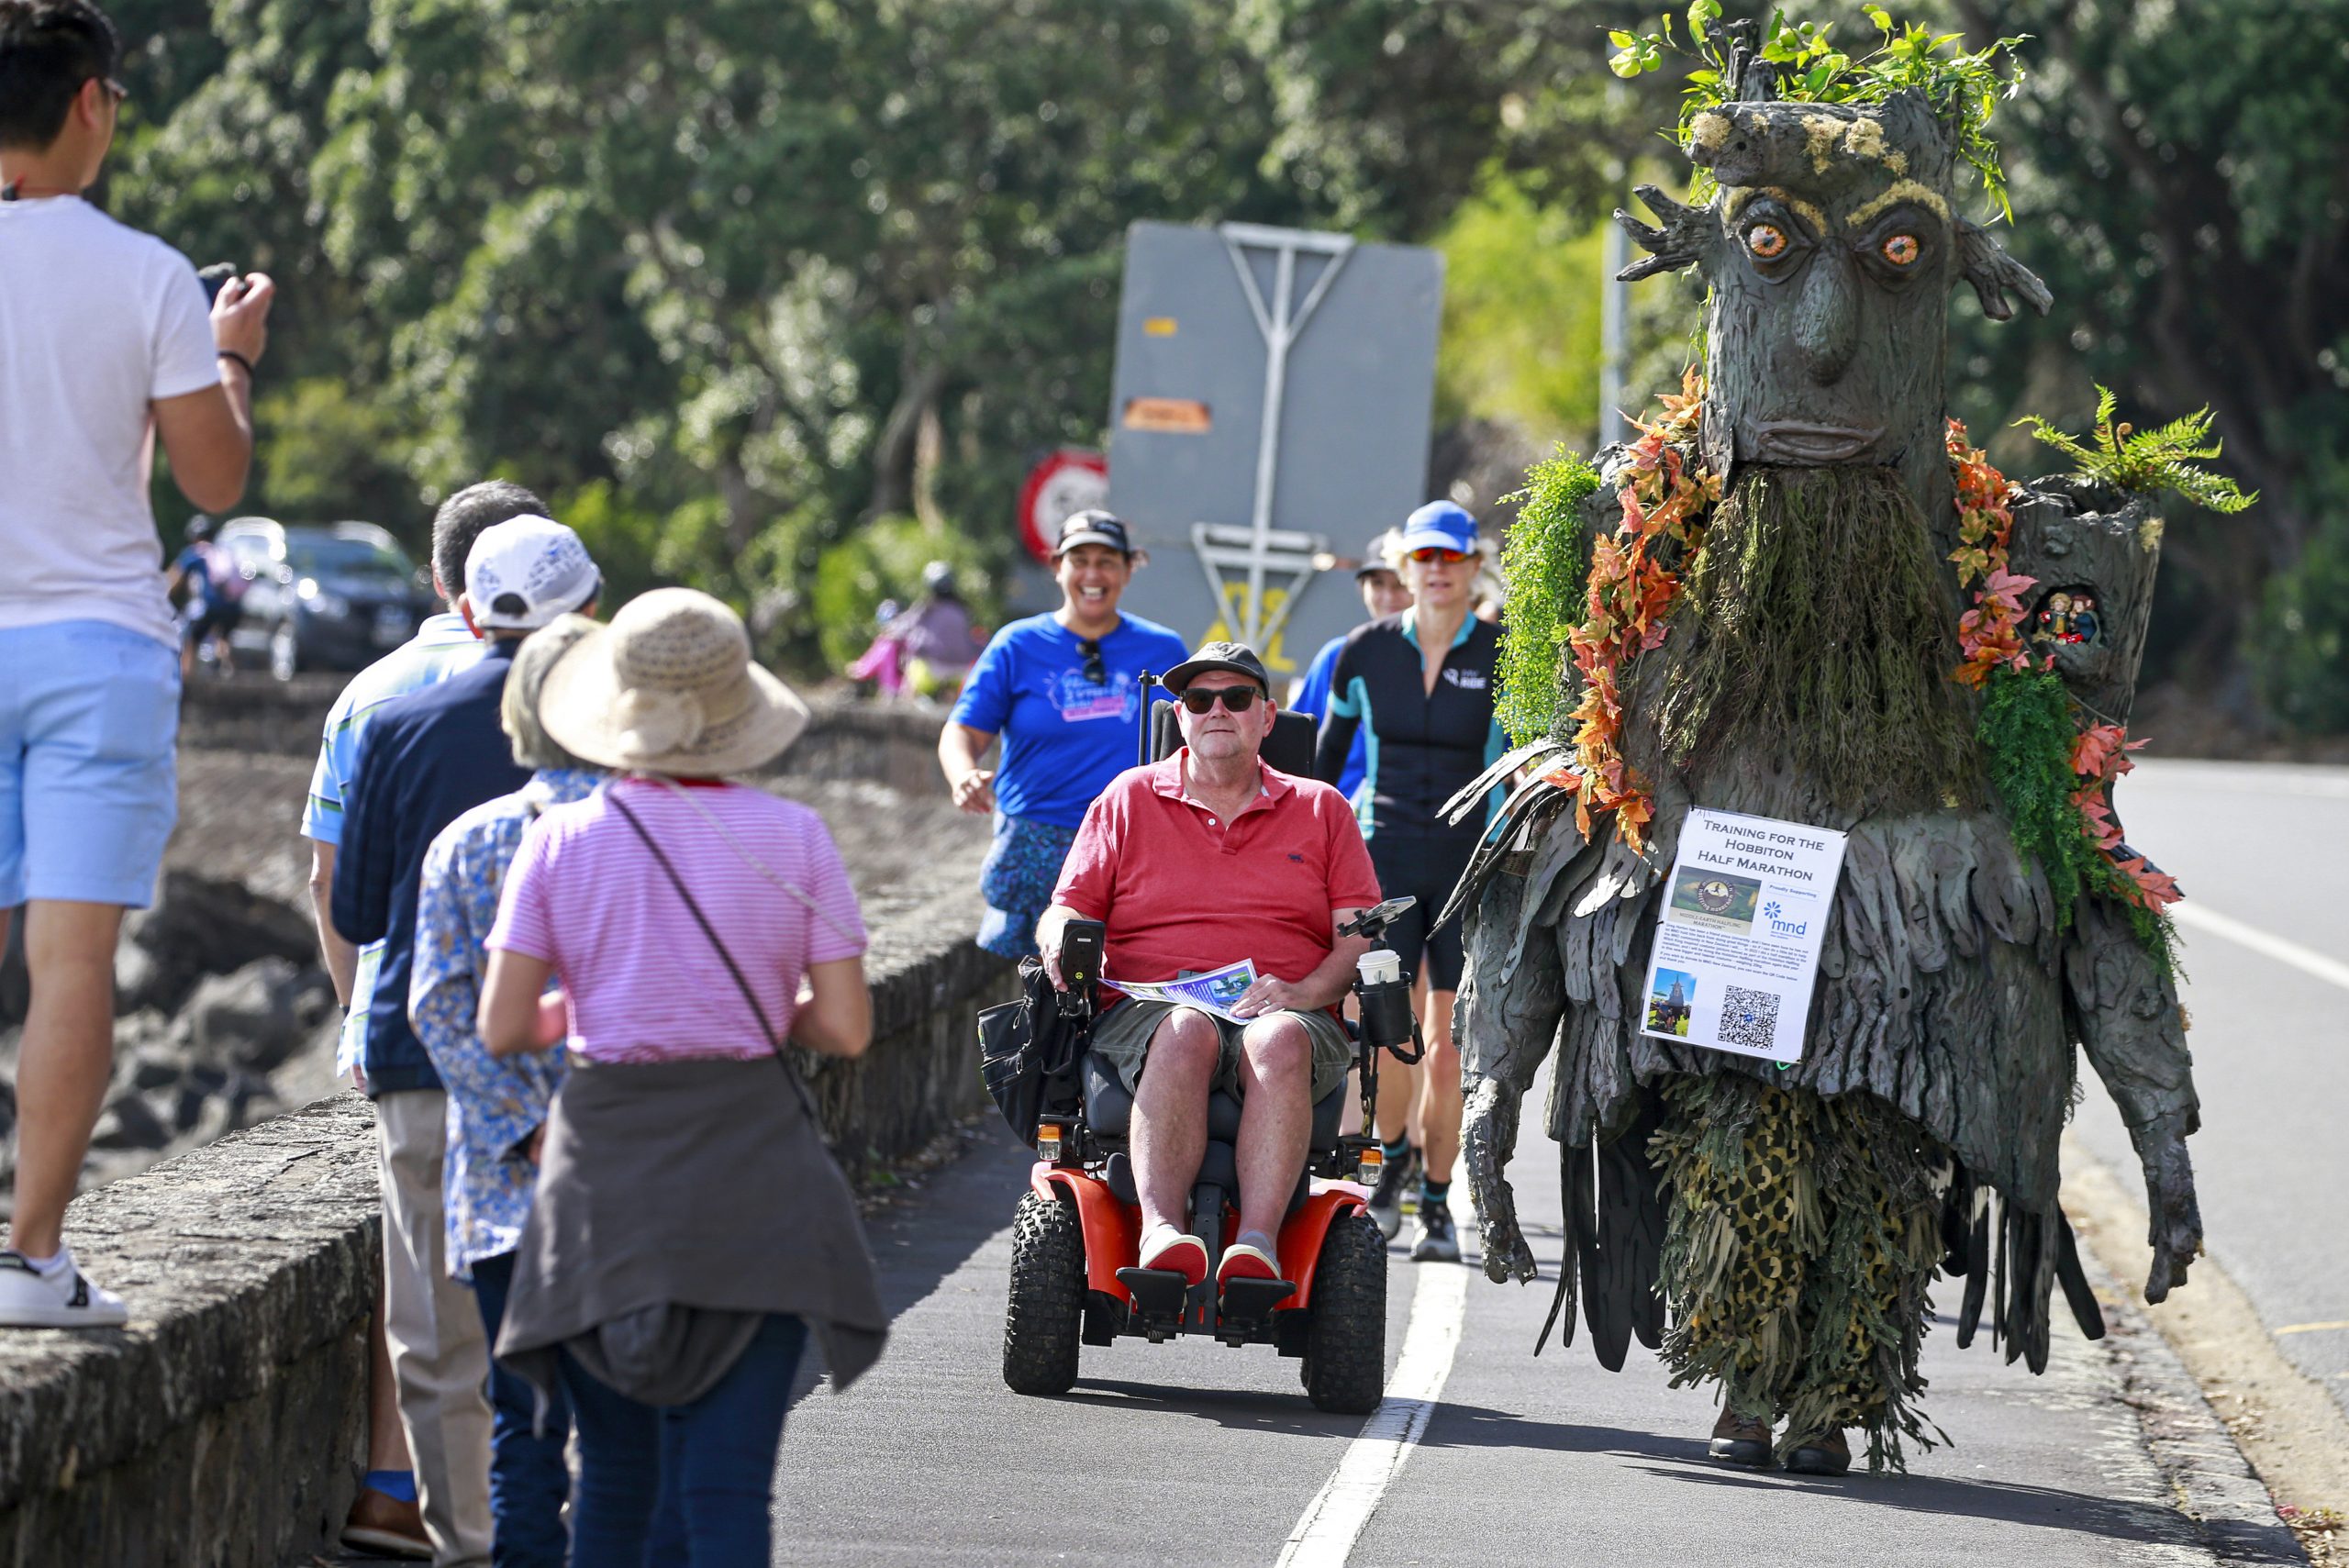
x=1805, y=677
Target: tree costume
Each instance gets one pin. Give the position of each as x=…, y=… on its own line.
x=1808, y=599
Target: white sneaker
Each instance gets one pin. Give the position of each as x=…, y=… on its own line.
x=31, y=1299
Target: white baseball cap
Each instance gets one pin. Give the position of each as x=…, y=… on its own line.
x=524, y=572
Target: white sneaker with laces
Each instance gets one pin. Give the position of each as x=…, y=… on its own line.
x=58, y=1298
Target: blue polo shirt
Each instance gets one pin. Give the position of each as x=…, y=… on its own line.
x=427, y=758
x=1065, y=734
x=1313, y=701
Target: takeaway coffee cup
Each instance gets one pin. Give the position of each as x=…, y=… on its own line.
x=1379, y=966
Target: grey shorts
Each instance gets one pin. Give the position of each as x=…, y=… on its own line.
x=1123, y=1037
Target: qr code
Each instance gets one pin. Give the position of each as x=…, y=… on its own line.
x=1750, y=1018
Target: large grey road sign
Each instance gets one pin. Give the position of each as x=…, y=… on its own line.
x=1270, y=404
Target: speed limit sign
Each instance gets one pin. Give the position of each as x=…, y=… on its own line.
x=1066, y=483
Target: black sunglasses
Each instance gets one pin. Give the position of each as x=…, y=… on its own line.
x=1094, y=670
x=1238, y=699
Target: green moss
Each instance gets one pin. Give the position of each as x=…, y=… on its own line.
x=1547, y=561
x=1814, y=640
x=2027, y=729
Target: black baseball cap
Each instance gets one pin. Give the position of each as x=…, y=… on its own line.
x=1237, y=657
x=1093, y=526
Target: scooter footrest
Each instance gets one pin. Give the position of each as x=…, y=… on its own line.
x=1158, y=1293
x=1253, y=1300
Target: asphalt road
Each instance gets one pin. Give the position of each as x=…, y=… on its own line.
x=1196, y=1455
x=2265, y=846
x=1193, y=1454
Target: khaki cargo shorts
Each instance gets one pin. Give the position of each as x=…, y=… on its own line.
x=1123, y=1037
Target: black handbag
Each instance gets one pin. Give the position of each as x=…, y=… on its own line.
x=1028, y=1052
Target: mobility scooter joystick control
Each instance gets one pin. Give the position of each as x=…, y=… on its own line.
x=1081, y=946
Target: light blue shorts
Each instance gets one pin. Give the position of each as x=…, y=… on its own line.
x=89, y=775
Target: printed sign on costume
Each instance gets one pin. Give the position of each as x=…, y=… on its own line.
x=1737, y=950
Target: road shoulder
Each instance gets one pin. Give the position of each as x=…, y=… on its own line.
x=2240, y=1434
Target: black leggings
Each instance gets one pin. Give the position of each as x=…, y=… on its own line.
x=1428, y=868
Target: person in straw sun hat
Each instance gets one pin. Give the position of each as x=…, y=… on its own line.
x=668, y=687
x=690, y=1229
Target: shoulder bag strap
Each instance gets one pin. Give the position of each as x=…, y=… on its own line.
x=703, y=921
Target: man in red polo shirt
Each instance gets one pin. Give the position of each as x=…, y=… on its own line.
x=1200, y=861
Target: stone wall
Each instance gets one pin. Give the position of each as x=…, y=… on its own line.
x=226, y=1427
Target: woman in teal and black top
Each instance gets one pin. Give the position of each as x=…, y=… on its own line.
x=1420, y=683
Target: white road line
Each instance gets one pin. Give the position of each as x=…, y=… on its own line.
x=1325, y=1535
x=2193, y=917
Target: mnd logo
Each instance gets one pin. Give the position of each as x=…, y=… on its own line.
x=1780, y=926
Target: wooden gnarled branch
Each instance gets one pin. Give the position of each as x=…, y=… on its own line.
x=1675, y=245
x=1994, y=273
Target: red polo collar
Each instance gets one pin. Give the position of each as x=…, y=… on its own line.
x=1167, y=779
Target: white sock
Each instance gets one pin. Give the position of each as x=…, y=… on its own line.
x=50, y=1267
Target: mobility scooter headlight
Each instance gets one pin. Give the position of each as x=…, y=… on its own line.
x=1047, y=1142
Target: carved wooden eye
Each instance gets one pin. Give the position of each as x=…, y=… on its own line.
x=1902, y=250
x=1767, y=240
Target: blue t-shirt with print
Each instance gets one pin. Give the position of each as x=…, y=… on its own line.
x=1065, y=735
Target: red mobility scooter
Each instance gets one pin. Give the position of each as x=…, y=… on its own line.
x=1076, y=1239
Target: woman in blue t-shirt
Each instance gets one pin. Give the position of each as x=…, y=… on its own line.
x=1063, y=691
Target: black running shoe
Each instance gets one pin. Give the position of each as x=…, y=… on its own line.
x=1437, y=1241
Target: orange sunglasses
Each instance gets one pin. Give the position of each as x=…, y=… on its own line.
x=1437, y=553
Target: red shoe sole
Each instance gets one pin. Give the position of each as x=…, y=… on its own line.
x=1185, y=1257
x=1240, y=1265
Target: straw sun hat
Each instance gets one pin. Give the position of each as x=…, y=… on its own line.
x=668, y=687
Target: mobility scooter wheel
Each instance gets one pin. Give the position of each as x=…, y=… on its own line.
x=1039, y=1331
x=1345, y=1348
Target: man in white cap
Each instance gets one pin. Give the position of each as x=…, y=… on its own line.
x=431, y=756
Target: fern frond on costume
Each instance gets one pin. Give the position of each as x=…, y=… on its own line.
x=2147, y=462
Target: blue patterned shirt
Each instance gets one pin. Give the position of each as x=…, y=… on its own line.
x=495, y=1104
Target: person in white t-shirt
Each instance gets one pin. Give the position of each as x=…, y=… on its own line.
x=105, y=345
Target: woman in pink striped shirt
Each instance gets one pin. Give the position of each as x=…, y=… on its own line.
x=690, y=1225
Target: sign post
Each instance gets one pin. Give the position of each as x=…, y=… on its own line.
x=1271, y=404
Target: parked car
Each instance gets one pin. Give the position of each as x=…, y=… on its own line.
x=322, y=596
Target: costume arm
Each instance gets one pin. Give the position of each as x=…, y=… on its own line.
x=1505, y=1030
x=2134, y=1033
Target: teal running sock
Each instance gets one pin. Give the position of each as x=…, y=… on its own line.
x=1433, y=1192
x=399, y=1485
x=1396, y=1152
